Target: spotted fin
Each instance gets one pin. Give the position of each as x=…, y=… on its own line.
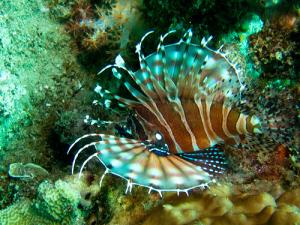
x=181, y=71
x=184, y=69
x=139, y=164
x=212, y=159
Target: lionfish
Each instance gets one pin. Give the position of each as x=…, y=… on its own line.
x=187, y=104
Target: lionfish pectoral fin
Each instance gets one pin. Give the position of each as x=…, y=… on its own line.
x=139, y=164
x=211, y=159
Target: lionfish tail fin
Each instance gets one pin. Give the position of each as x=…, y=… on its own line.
x=144, y=164
x=276, y=111
x=257, y=143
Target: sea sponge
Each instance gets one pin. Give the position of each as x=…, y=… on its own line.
x=215, y=208
x=273, y=50
x=285, y=215
x=290, y=197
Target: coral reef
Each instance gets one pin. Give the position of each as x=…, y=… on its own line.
x=237, y=43
x=201, y=15
x=64, y=202
x=31, y=85
x=41, y=82
x=274, y=49
x=220, y=205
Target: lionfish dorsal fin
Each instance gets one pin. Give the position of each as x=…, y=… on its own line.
x=149, y=81
x=191, y=69
x=183, y=71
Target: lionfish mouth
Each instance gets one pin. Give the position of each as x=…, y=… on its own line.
x=187, y=90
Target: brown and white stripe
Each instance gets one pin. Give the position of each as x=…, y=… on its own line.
x=194, y=125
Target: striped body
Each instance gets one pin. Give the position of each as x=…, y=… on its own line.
x=186, y=103
x=203, y=124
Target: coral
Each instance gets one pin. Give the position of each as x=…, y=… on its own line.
x=274, y=49
x=22, y=212
x=105, y=26
x=45, y=95
x=9, y=192
x=29, y=170
x=237, y=43
x=13, y=104
x=130, y=209
x=34, y=81
x=222, y=204
x=65, y=202
x=260, y=163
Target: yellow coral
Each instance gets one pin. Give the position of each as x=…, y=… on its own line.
x=220, y=205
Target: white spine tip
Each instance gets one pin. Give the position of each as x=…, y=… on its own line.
x=160, y=193
x=254, y=121
x=119, y=61
x=105, y=68
x=257, y=131
x=204, y=42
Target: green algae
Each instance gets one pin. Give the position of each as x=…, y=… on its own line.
x=39, y=77
x=39, y=80
x=28, y=42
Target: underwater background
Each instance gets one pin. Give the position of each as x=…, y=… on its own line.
x=50, y=94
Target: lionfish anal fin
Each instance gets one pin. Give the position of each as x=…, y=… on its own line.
x=212, y=159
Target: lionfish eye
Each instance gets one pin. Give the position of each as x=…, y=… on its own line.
x=158, y=139
x=157, y=145
x=158, y=136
